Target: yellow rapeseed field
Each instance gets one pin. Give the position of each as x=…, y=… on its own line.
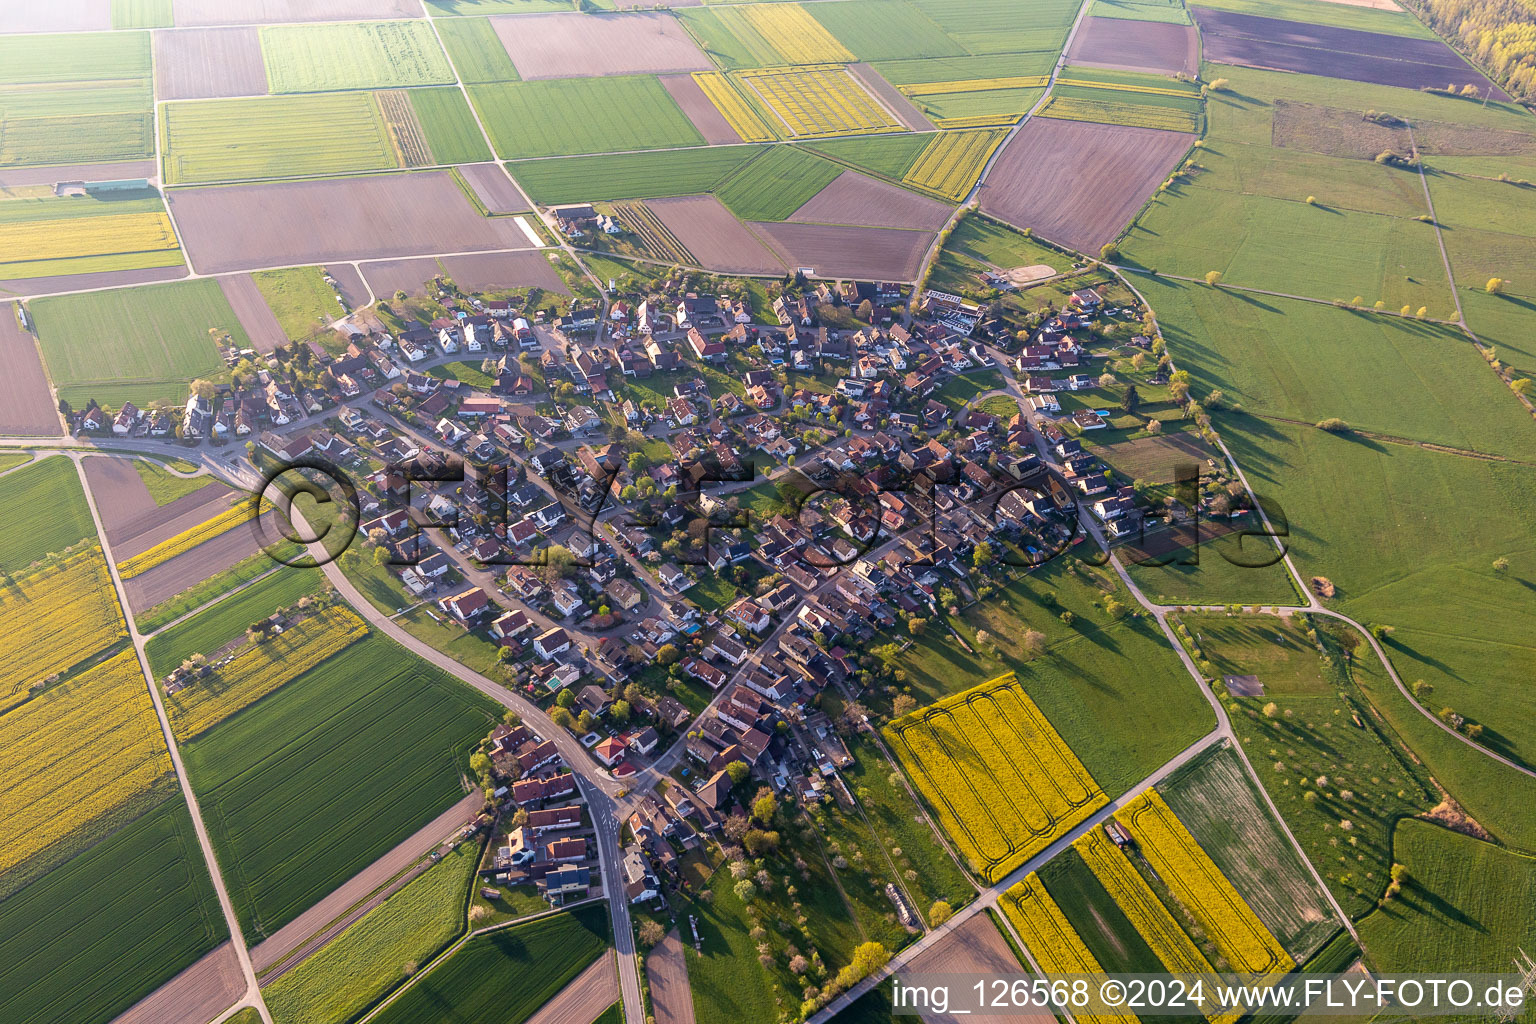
x=952, y=162
x=80, y=749
x=976, y=85
x=1196, y=881
x=86, y=236
x=260, y=669
x=976, y=121
x=55, y=618
x=798, y=37
x=734, y=108
x=1051, y=939
x=237, y=514
x=815, y=102
x=1000, y=780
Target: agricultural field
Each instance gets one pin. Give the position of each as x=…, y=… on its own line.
x=1163, y=47
x=96, y=730
x=363, y=963
x=890, y=156
x=509, y=973
x=875, y=30
x=225, y=621
x=163, y=486
x=1222, y=807
x=906, y=74
x=235, y=516
x=89, y=939
x=817, y=101
x=75, y=588
x=1141, y=10
x=1001, y=814
x=728, y=38
x=299, y=298
x=798, y=37
x=452, y=135
x=717, y=240
x=1050, y=938
x=776, y=184
x=568, y=44
x=234, y=140
x=368, y=55
x=1367, y=17
x=1138, y=106
x=854, y=198
x=48, y=236
x=581, y=115
x=302, y=791
x=260, y=669
x=75, y=98
x=1217, y=570
x=47, y=496
x=745, y=121
x=629, y=175
x=951, y=164
x=655, y=239
x=476, y=51
x=994, y=26
x=1098, y=920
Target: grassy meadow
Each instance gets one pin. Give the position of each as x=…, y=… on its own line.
x=571, y=116
x=629, y=175
x=48, y=499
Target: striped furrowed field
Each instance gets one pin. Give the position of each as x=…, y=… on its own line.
x=77, y=591
x=815, y=102
x=1135, y=115
x=260, y=669
x=75, y=123
x=1050, y=938
x=976, y=85
x=361, y=55
x=1001, y=781
x=570, y=116
x=734, y=107
x=405, y=132
x=232, y=140
x=1195, y=881
x=1143, y=909
x=951, y=164
x=236, y=515
x=792, y=31
x=95, y=733
x=653, y=234
x=86, y=236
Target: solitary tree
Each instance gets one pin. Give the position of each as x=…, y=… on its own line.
x=1213, y=277
x=1131, y=399
x=939, y=913
x=1495, y=286
x=1501, y=565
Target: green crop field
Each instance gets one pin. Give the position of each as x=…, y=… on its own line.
x=1140, y=10
x=1222, y=807
x=145, y=342
x=76, y=122
x=142, y=14
x=362, y=964
x=165, y=487
x=571, y=116
x=75, y=57
x=476, y=51
x=217, y=625
x=304, y=789
x=450, y=126
x=1466, y=903
x=1098, y=920
x=299, y=298
x=507, y=975
x=890, y=155
x=1003, y=105
x=879, y=30
x=286, y=136
x=994, y=26
x=1274, y=649
x=363, y=55
x=629, y=176
x=776, y=184
x=47, y=498
x=89, y=939
x=965, y=69
x=729, y=39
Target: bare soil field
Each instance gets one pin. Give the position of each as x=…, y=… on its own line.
x=252, y=12
x=1137, y=46
x=495, y=189
x=713, y=234
x=905, y=110
x=1078, y=183
x=134, y=523
x=706, y=117
x=243, y=227
x=588, y=45
x=855, y=198
x=170, y=578
x=350, y=284
x=196, y=995
x=26, y=404
x=493, y=271
x=386, y=277
x=975, y=947
x=55, y=16
x=10, y=177
x=253, y=312
x=292, y=935
x=883, y=254
x=202, y=63
x=585, y=997
x=667, y=970
x=24, y=287
x=1346, y=53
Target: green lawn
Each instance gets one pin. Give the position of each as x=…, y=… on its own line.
x=890, y=155
x=958, y=390
x=571, y=116
x=629, y=175
x=91, y=938
x=1001, y=246
x=1206, y=576
x=464, y=373
x=362, y=964
x=463, y=646
x=217, y=625
x=1466, y=903
x=727, y=983
x=299, y=298
x=166, y=487
x=1294, y=174
x=48, y=499
x=503, y=977
x=879, y=30
x=777, y=183
x=476, y=51
x=449, y=125
x=145, y=342
x=1274, y=649
x=362, y=55
x=305, y=788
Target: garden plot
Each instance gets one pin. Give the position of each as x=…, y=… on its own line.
x=1137, y=46
x=715, y=237
x=203, y=63
x=583, y=45
x=857, y=199
x=242, y=227
x=880, y=254
x=1000, y=780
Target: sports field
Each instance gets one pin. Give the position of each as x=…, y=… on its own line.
x=303, y=790
x=363, y=55
x=582, y=115
x=285, y=136
x=1000, y=780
